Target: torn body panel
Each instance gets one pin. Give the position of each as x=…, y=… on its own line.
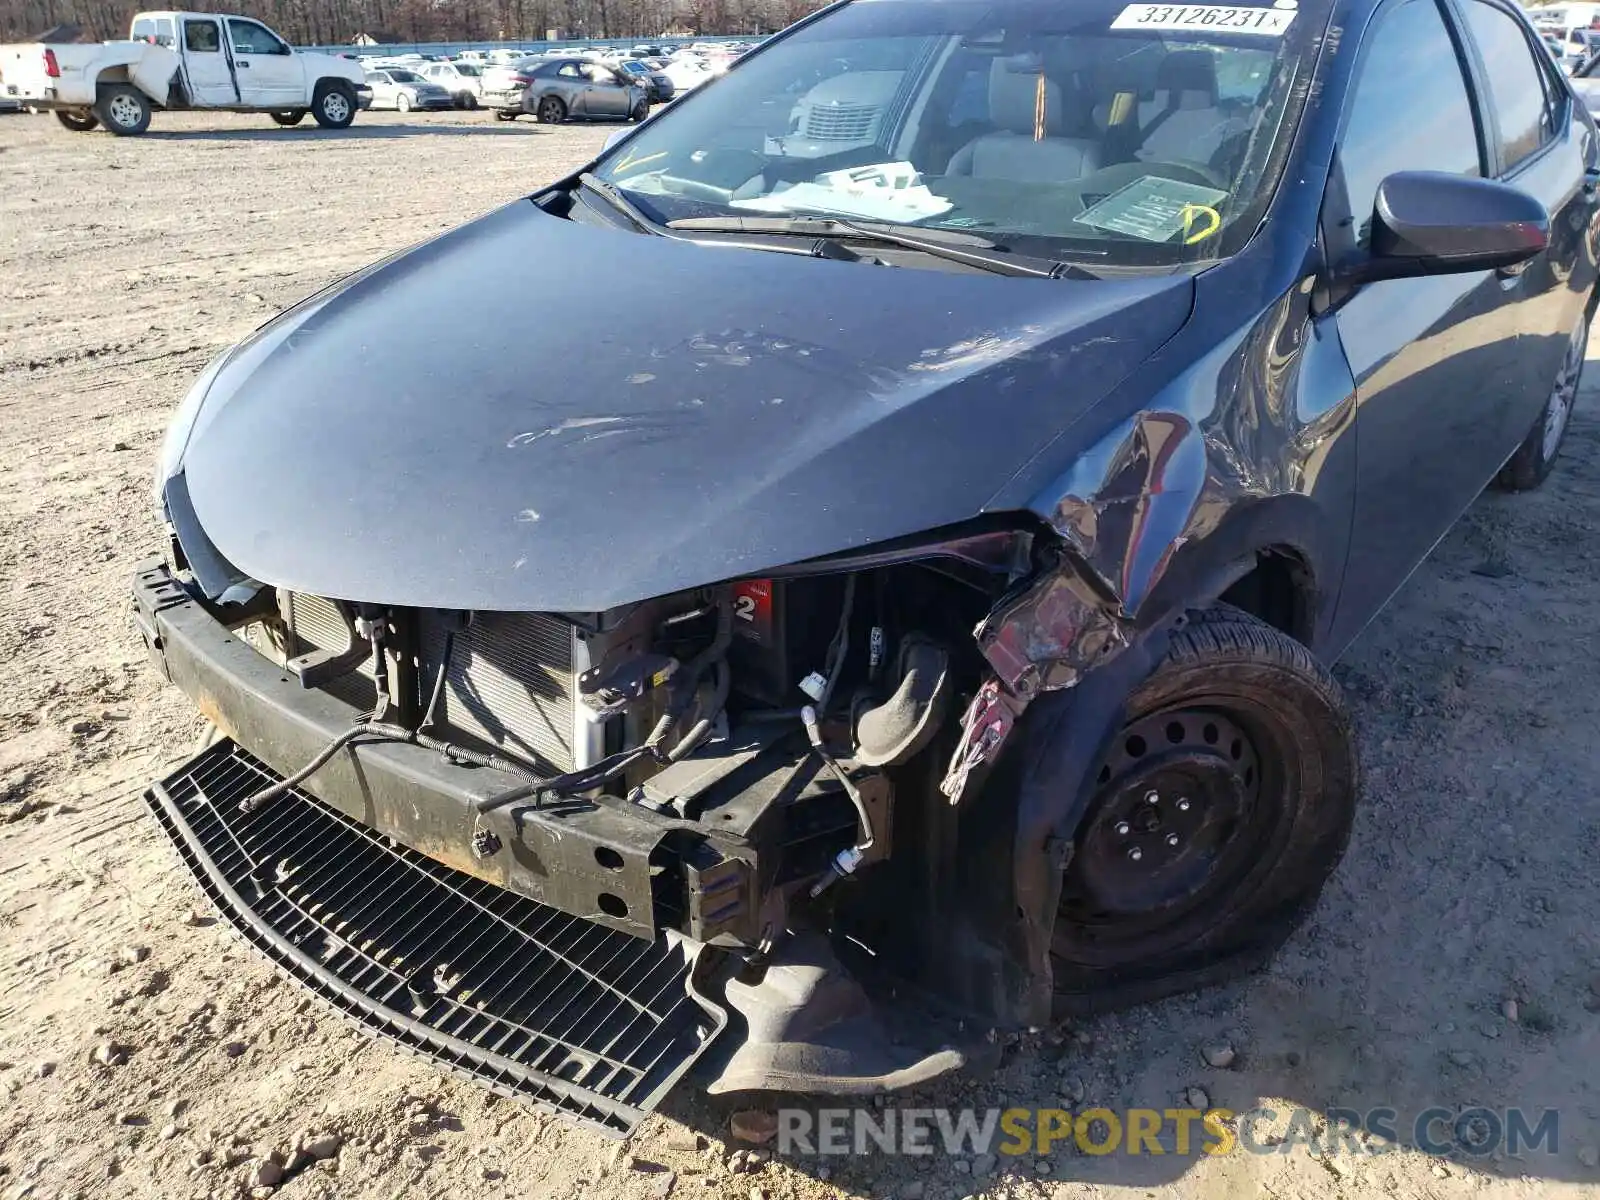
x=1252, y=454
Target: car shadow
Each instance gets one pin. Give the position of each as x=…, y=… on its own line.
x=354, y=133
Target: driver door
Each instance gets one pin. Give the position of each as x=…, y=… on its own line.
x=207, y=75
x=269, y=74
x=383, y=89
x=1435, y=359
x=604, y=94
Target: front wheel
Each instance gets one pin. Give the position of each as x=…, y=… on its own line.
x=291, y=118
x=1216, y=816
x=640, y=111
x=334, y=107
x=1536, y=457
x=506, y=114
x=403, y=103
x=77, y=120
x=123, y=110
x=551, y=111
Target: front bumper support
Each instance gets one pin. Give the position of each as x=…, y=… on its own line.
x=404, y=791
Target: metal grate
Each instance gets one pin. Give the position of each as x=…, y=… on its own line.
x=842, y=122
x=519, y=997
x=510, y=683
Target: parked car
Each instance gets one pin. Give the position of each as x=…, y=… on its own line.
x=182, y=60
x=501, y=86
x=937, y=580
x=1580, y=47
x=1585, y=83
x=686, y=71
x=561, y=89
x=463, y=80
x=402, y=89
x=658, y=85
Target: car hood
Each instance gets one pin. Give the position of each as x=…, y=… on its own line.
x=483, y=422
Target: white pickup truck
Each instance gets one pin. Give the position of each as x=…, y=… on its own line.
x=182, y=60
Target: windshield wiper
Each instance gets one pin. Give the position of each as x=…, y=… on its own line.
x=614, y=197
x=970, y=250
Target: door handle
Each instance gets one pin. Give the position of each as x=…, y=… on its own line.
x=241, y=64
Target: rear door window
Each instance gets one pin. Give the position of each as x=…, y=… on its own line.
x=1516, y=82
x=202, y=37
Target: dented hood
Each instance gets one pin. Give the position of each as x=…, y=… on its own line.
x=529, y=413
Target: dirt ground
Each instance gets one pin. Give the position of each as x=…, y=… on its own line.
x=145, y=1053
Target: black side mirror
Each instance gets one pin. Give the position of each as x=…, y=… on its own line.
x=1433, y=223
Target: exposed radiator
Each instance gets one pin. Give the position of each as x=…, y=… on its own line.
x=510, y=684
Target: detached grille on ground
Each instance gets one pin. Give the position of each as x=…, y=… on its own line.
x=521, y=998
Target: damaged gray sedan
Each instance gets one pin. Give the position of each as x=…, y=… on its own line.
x=919, y=622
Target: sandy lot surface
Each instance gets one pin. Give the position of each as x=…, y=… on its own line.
x=144, y=1053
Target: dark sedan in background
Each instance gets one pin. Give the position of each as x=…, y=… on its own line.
x=658, y=87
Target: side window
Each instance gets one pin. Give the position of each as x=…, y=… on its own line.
x=1516, y=81
x=144, y=30
x=201, y=37
x=1403, y=118
x=570, y=71
x=249, y=38
x=164, y=35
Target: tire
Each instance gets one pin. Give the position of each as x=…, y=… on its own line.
x=334, y=105
x=640, y=111
x=402, y=102
x=551, y=111
x=469, y=101
x=291, y=118
x=123, y=110
x=77, y=121
x=1536, y=457
x=1244, y=741
x=506, y=114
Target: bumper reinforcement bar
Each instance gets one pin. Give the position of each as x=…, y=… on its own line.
x=514, y=995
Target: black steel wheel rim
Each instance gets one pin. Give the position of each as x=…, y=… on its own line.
x=1187, y=804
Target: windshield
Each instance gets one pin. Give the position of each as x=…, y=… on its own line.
x=404, y=77
x=1108, y=132
x=466, y=69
